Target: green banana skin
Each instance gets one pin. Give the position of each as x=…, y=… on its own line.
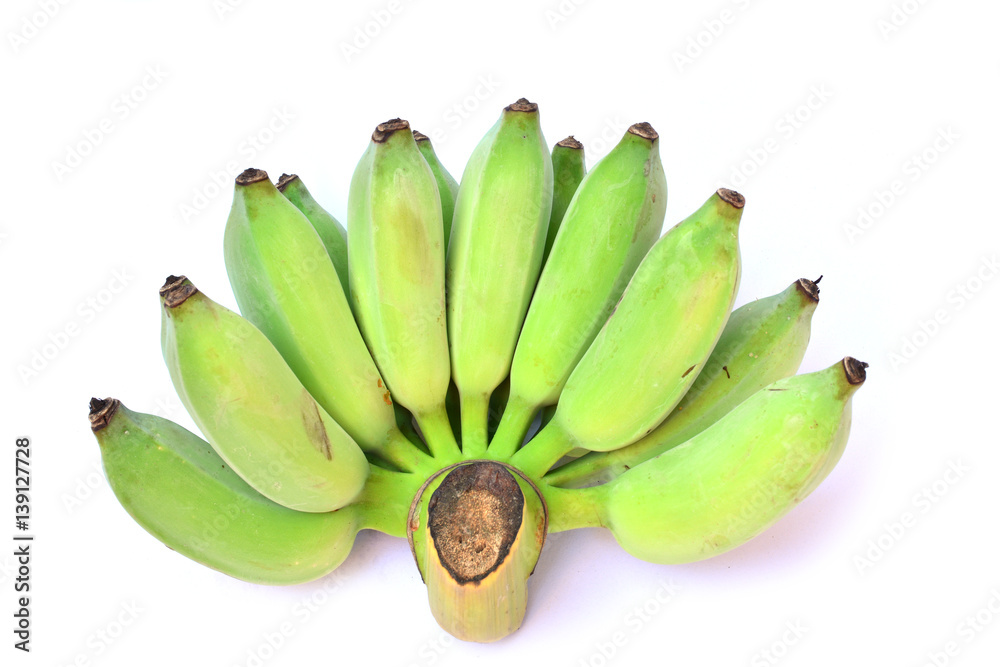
x=251, y=407
x=613, y=220
x=396, y=253
x=447, y=185
x=568, y=169
x=764, y=341
x=494, y=258
x=626, y=383
x=178, y=489
x=330, y=231
x=734, y=479
x=286, y=285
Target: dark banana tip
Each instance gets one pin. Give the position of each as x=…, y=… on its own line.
x=731, y=197
x=251, y=175
x=285, y=180
x=385, y=130
x=571, y=142
x=176, y=290
x=855, y=370
x=644, y=130
x=420, y=136
x=809, y=287
x=522, y=105
x=101, y=412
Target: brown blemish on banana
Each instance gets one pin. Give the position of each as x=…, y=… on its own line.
x=731, y=197
x=284, y=180
x=687, y=371
x=250, y=176
x=315, y=428
x=385, y=130
x=387, y=398
x=420, y=136
x=644, y=131
x=176, y=290
x=474, y=517
x=523, y=106
x=727, y=373
x=101, y=412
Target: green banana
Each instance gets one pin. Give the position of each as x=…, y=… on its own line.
x=286, y=285
x=613, y=220
x=396, y=253
x=495, y=255
x=626, y=383
x=330, y=231
x=252, y=408
x=734, y=479
x=447, y=185
x=568, y=170
x=177, y=488
x=764, y=341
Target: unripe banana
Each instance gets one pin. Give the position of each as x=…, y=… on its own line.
x=736, y=478
x=476, y=530
x=498, y=237
x=177, y=488
x=330, y=231
x=764, y=341
x=447, y=185
x=252, y=408
x=568, y=169
x=396, y=253
x=628, y=381
x=286, y=285
x=613, y=220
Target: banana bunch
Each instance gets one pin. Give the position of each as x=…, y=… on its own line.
x=387, y=376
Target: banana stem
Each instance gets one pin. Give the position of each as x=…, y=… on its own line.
x=475, y=418
x=405, y=455
x=591, y=467
x=542, y=451
x=438, y=435
x=513, y=427
x=574, y=508
x=385, y=500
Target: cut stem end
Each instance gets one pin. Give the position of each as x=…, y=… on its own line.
x=855, y=370
x=250, y=176
x=101, y=412
x=385, y=130
x=731, y=197
x=809, y=288
x=285, y=180
x=176, y=290
x=644, y=130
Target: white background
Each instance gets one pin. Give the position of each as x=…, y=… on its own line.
x=812, y=110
